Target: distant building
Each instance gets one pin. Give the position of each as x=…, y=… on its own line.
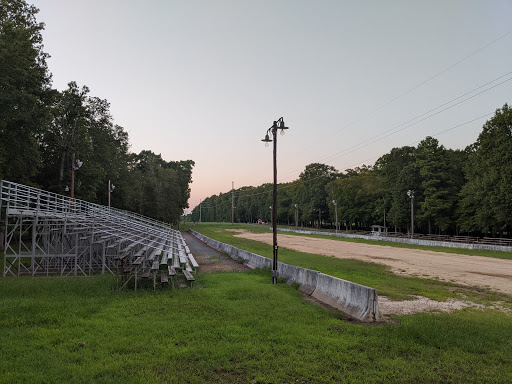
x=379, y=230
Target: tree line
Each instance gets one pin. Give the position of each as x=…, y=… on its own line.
x=45, y=133
x=455, y=191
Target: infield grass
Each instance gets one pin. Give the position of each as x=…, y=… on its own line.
x=238, y=328
x=231, y=328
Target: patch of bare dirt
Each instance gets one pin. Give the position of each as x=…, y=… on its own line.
x=210, y=260
x=421, y=304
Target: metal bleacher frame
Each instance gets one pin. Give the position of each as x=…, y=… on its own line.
x=50, y=234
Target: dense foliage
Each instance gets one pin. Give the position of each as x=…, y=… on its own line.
x=455, y=192
x=43, y=132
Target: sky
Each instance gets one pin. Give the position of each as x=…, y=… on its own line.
x=205, y=79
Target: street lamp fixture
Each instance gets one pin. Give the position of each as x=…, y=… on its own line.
x=279, y=124
x=78, y=164
x=111, y=188
x=75, y=166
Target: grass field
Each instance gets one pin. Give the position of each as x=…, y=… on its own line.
x=237, y=328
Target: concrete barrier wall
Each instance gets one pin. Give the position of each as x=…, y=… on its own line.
x=356, y=300
x=447, y=244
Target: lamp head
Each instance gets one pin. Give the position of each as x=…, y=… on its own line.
x=267, y=140
x=78, y=164
x=280, y=125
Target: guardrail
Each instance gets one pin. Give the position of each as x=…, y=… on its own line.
x=356, y=300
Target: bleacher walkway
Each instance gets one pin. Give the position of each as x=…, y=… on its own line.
x=209, y=259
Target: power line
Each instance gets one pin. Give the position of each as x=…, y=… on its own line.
x=298, y=182
x=434, y=135
x=376, y=137
x=284, y=177
x=394, y=130
x=240, y=194
x=406, y=92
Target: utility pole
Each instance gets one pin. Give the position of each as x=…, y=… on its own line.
x=336, y=211
x=232, y=202
x=72, y=175
x=199, y=210
x=410, y=193
x=111, y=188
x=296, y=216
x=75, y=166
x=384, y=199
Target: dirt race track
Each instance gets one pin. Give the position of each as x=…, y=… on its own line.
x=484, y=272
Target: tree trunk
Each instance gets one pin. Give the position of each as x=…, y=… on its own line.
x=62, y=164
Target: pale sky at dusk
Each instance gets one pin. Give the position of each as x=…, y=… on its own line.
x=203, y=80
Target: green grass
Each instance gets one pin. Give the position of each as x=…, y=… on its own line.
x=231, y=328
x=238, y=328
x=370, y=274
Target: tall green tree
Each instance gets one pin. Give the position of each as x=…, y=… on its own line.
x=486, y=203
x=24, y=90
x=401, y=174
x=359, y=197
x=438, y=186
x=159, y=189
x=64, y=138
x=312, y=193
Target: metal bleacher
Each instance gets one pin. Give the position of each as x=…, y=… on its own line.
x=45, y=233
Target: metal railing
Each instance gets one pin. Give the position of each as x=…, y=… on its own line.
x=45, y=232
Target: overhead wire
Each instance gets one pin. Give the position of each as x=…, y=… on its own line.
x=400, y=96
x=405, y=93
x=377, y=138
x=298, y=181
x=394, y=130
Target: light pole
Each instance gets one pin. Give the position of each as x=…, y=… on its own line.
x=279, y=124
x=232, y=202
x=296, y=216
x=75, y=166
x=410, y=193
x=111, y=188
x=336, y=211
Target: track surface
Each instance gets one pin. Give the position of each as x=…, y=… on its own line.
x=484, y=272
